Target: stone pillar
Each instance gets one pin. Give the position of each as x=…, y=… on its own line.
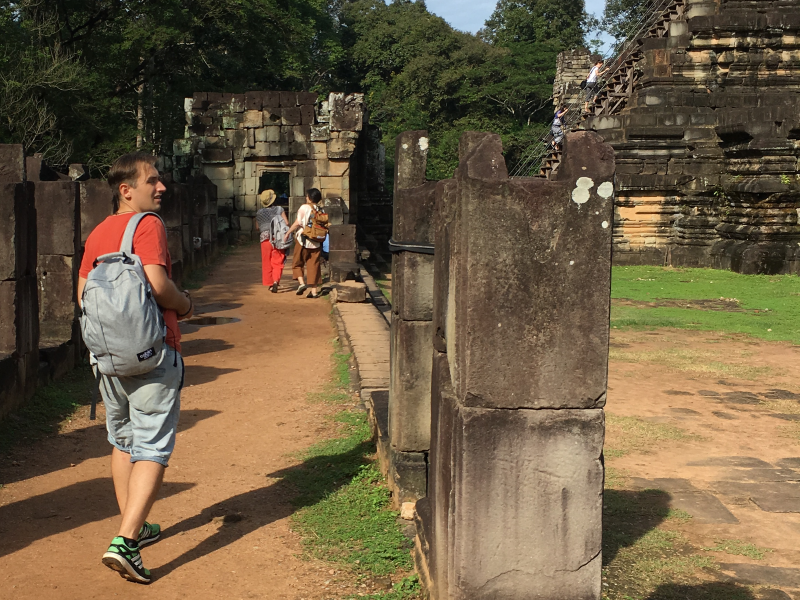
x=96, y=205
x=59, y=244
x=412, y=312
x=19, y=304
x=521, y=317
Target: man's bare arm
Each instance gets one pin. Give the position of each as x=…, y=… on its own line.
x=81, y=285
x=166, y=292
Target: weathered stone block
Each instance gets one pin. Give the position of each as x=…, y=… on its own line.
x=12, y=163
x=290, y=116
x=253, y=100
x=215, y=155
x=288, y=99
x=271, y=99
x=58, y=222
x=307, y=98
x=349, y=291
x=341, y=271
x=320, y=133
x=17, y=230
x=347, y=111
x=407, y=476
x=342, y=256
x=410, y=392
x=19, y=316
x=413, y=213
x=342, y=237
x=96, y=196
x=57, y=277
x=412, y=286
x=340, y=148
x=307, y=115
x=559, y=234
x=411, y=159
x=299, y=149
x=524, y=480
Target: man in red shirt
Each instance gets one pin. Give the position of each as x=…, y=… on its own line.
x=141, y=411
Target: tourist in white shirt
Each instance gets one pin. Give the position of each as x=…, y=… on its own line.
x=592, y=84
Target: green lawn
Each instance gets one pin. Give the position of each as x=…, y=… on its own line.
x=763, y=306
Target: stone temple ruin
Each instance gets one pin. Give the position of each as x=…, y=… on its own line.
x=499, y=347
x=285, y=141
x=704, y=118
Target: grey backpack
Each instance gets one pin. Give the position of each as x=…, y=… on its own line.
x=277, y=232
x=121, y=323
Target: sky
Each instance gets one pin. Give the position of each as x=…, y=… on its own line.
x=469, y=15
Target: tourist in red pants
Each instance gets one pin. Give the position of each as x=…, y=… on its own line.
x=272, y=259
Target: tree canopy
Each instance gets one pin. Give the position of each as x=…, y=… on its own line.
x=84, y=80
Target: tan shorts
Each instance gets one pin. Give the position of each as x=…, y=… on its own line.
x=308, y=257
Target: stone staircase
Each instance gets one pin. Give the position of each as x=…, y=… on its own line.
x=623, y=78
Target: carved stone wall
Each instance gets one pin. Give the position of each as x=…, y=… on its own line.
x=234, y=139
x=572, y=67
x=707, y=147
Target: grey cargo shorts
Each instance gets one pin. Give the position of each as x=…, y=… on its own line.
x=142, y=411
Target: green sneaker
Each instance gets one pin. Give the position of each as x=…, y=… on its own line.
x=126, y=561
x=149, y=534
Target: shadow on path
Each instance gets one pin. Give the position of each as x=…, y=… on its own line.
x=301, y=485
x=66, y=450
x=27, y=521
x=707, y=591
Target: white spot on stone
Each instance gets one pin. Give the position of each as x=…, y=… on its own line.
x=583, y=168
x=597, y=212
x=572, y=262
x=423, y=144
x=405, y=146
x=580, y=195
x=499, y=324
x=604, y=224
x=606, y=189
x=585, y=183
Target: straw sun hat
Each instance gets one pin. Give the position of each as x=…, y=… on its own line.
x=267, y=197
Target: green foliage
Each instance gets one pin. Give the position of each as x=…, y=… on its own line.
x=764, y=306
x=564, y=22
x=86, y=80
x=49, y=406
x=345, y=514
x=121, y=68
x=621, y=18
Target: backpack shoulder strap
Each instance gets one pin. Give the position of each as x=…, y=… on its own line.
x=130, y=231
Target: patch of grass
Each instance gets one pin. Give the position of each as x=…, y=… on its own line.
x=614, y=477
x=385, y=287
x=699, y=362
x=629, y=434
x=345, y=516
x=49, y=407
x=770, y=302
x=338, y=390
x=406, y=589
x=645, y=558
x=739, y=548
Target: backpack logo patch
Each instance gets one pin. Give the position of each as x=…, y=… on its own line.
x=143, y=356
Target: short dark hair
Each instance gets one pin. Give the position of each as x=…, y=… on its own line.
x=599, y=61
x=314, y=195
x=126, y=170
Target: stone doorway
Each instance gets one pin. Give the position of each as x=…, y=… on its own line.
x=278, y=181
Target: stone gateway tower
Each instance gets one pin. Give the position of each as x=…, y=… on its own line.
x=285, y=141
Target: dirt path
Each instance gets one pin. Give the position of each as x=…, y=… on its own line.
x=733, y=462
x=243, y=412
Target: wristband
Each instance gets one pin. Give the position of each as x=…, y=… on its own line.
x=191, y=306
